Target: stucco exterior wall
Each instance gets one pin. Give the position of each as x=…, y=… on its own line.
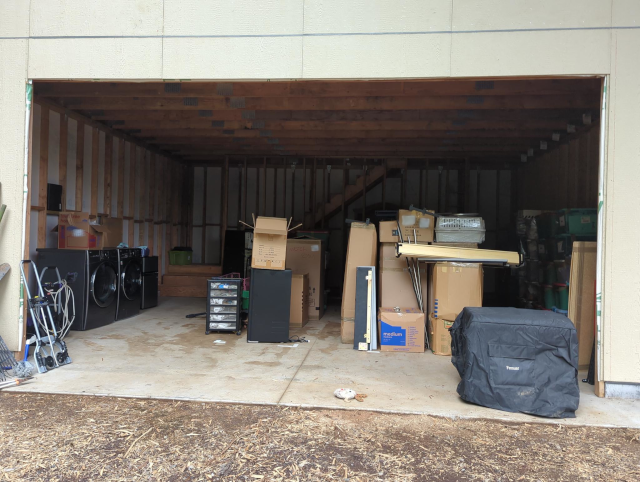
x=253, y=39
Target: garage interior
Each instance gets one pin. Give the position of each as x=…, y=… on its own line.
x=183, y=163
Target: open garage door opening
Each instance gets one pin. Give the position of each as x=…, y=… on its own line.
x=184, y=164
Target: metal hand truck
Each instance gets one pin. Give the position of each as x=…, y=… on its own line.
x=56, y=355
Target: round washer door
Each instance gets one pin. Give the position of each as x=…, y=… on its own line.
x=131, y=280
x=104, y=285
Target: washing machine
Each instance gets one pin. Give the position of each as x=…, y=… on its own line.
x=130, y=282
x=93, y=277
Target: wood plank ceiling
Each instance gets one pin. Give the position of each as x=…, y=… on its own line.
x=201, y=122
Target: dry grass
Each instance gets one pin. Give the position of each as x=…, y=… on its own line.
x=68, y=438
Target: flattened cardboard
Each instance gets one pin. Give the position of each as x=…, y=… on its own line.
x=401, y=330
x=361, y=251
x=347, y=330
x=269, y=243
x=452, y=287
x=389, y=232
x=416, y=225
x=307, y=256
x=299, y=315
x=76, y=231
x=582, y=297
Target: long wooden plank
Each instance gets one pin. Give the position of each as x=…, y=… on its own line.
x=142, y=186
x=193, y=136
x=262, y=126
x=95, y=158
x=321, y=88
x=342, y=103
x=151, y=184
x=203, y=258
x=225, y=207
x=108, y=171
x=79, y=166
x=464, y=254
x=62, y=159
x=43, y=176
x=121, y=187
x=456, y=115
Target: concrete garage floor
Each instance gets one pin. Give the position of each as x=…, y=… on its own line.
x=161, y=354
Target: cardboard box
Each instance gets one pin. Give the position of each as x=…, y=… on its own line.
x=401, y=329
x=299, y=315
x=307, y=256
x=76, y=231
x=452, y=287
x=269, y=243
x=361, y=251
x=347, y=330
x=395, y=287
x=439, y=336
x=389, y=232
x=582, y=297
x=417, y=225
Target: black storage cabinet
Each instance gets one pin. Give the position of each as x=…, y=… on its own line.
x=517, y=360
x=269, y=306
x=224, y=297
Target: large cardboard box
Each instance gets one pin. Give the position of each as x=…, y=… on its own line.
x=361, y=251
x=401, y=329
x=452, y=287
x=395, y=287
x=307, y=256
x=582, y=297
x=77, y=231
x=299, y=315
x=416, y=225
x=269, y=243
x=389, y=232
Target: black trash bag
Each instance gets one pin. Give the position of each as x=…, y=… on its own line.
x=517, y=360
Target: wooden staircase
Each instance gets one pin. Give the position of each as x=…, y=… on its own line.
x=188, y=281
x=353, y=192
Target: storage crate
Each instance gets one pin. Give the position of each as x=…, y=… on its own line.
x=180, y=257
x=460, y=229
x=224, y=298
x=562, y=245
x=580, y=222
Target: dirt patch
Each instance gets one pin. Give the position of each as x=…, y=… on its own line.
x=69, y=438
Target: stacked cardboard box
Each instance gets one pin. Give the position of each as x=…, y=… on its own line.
x=307, y=256
x=395, y=285
x=452, y=287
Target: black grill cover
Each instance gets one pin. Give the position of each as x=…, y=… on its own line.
x=517, y=360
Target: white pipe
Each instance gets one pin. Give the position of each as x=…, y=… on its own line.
x=25, y=201
x=600, y=238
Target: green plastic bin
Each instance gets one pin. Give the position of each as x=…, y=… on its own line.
x=580, y=222
x=245, y=300
x=562, y=296
x=180, y=257
x=549, y=297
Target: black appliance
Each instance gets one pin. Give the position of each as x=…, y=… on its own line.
x=224, y=300
x=269, y=306
x=149, y=295
x=130, y=282
x=517, y=360
x=54, y=197
x=93, y=277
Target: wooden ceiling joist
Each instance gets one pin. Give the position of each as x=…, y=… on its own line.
x=321, y=88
